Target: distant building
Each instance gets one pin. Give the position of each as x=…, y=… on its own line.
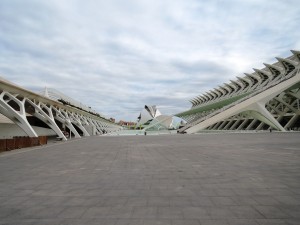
x=125, y=123
x=150, y=116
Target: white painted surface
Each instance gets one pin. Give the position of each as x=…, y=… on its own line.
x=11, y=130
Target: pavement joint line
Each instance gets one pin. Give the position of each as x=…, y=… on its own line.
x=24, y=150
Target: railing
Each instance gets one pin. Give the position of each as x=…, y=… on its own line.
x=60, y=97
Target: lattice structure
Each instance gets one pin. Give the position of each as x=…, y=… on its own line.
x=19, y=104
x=265, y=99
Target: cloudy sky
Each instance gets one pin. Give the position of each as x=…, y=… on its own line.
x=118, y=55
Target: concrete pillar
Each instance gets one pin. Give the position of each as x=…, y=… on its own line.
x=235, y=125
x=251, y=124
x=242, y=124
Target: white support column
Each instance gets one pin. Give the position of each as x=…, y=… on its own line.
x=222, y=125
x=64, y=119
x=251, y=124
x=98, y=127
x=235, y=124
x=84, y=120
x=46, y=118
x=78, y=124
x=215, y=126
x=261, y=113
x=18, y=117
x=93, y=123
x=291, y=121
x=260, y=126
x=228, y=124
x=243, y=124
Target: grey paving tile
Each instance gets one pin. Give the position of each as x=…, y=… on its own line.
x=242, y=222
x=101, y=222
x=202, y=201
x=220, y=201
x=213, y=222
x=272, y=212
x=16, y=200
x=120, y=212
x=220, y=212
x=96, y=212
x=244, y=200
x=113, y=201
x=271, y=222
x=185, y=222
x=266, y=200
x=141, y=212
x=130, y=222
x=72, y=212
x=157, y=222
x=48, y=212
x=288, y=200
x=225, y=192
x=158, y=201
x=196, y=213
x=136, y=201
x=180, y=201
x=292, y=221
x=293, y=211
x=245, y=212
x=75, y=221
x=170, y=213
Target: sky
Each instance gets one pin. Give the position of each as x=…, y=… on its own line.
x=117, y=56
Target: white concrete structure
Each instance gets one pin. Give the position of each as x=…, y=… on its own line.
x=18, y=105
x=266, y=99
x=151, y=117
x=147, y=114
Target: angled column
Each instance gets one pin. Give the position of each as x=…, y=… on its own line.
x=251, y=124
x=47, y=118
x=18, y=117
x=78, y=123
x=63, y=118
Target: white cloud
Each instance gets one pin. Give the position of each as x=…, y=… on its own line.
x=117, y=56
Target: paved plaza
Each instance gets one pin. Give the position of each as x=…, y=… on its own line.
x=228, y=179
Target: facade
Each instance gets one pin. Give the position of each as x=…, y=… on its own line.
x=148, y=114
x=25, y=113
x=266, y=99
x=151, y=118
x=126, y=123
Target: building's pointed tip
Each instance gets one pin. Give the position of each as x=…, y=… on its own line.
x=279, y=59
x=46, y=94
x=295, y=52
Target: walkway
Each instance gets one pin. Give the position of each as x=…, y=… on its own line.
x=150, y=180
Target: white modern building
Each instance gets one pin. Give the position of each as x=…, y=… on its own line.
x=51, y=113
x=266, y=99
x=151, y=117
